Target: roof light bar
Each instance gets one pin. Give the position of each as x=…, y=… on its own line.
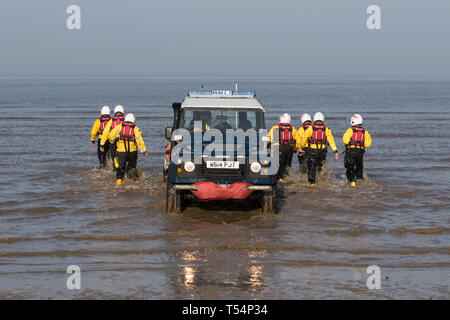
x=221, y=94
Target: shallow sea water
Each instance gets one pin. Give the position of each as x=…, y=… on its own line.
x=57, y=209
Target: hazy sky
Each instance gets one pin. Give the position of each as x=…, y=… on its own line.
x=228, y=37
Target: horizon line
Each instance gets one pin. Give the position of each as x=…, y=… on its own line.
x=225, y=76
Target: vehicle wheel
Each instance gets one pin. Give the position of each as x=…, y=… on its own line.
x=174, y=200
x=269, y=201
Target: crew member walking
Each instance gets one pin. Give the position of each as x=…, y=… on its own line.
x=356, y=140
x=317, y=138
x=98, y=132
x=303, y=161
x=119, y=117
x=129, y=139
x=286, y=134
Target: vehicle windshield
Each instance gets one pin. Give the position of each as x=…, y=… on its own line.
x=222, y=119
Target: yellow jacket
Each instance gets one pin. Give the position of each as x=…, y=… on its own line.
x=106, y=132
x=95, y=132
x=307, y=135
x=294, y=135
x=299, y=139
x=138, y=142
x=348, y=135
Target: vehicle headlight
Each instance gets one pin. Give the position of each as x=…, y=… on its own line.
x=255, y=167
x=189, y=166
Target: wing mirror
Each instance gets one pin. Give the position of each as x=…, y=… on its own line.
x=168, y=133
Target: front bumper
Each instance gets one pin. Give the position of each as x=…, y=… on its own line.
x=192, y=187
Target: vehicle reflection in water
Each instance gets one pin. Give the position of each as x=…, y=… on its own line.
x=218, y=251
x=193, y=277
x=188, y=271
x=255, y=273
x=189, y=277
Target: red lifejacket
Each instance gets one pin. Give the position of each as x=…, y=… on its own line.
x=103, y=121
x=286, y=137
x=168, y=152
x=306, y=124
x=358, y=137
x=319, y=136
x=116, y=120
x=127, y=132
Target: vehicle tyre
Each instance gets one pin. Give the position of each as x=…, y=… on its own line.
x=269, y=201
x=174, y=200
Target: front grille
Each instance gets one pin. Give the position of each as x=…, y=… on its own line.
x=242, y=172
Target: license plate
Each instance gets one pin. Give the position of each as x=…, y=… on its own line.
x=222, y=164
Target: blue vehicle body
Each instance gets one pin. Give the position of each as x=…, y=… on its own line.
x=185, y=166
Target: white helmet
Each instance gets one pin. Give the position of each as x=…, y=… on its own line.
x=119, y=108
x=130, y=118
x=305, y=117
x=285, y=118
x=318, y=116
x=105, y=111
x=356, y=119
